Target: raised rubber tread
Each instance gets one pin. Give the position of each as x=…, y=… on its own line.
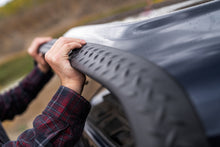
x=158, y=109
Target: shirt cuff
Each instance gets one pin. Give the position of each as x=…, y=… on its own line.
x=68, y=106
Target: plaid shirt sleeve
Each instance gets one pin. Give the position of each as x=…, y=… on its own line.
x=16, y=100
x=60, y=124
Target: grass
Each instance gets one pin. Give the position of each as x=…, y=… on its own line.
x=15, y=68
x=16, y=6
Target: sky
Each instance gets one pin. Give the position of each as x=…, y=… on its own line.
x=3, y=2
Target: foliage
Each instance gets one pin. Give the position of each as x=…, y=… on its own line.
x=16, y=6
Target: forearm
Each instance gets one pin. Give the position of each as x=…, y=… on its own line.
x=16, y=100
x=60, y=123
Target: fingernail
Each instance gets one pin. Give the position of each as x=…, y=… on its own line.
x=83, y=41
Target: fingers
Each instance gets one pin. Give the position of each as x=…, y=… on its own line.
x=38, y=57
x=63, y=41
x=65, y=45
x=57, y=57
x=70, y=46
x=40, y=40
x=61, y=49
x=68, y=40
x=33, y=49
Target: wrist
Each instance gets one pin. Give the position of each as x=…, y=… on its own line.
x=43, y=69
x=75, y=85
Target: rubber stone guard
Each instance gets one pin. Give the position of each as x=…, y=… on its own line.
x=158, y=109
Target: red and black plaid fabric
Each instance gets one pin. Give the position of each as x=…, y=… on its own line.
x=60, y=124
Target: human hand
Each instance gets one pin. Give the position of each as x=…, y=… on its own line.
x=57, y=57
x=38, y=57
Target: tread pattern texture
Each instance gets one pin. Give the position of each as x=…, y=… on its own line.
x=158, y=109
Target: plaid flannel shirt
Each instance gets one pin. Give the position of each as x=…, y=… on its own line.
x=60, y=124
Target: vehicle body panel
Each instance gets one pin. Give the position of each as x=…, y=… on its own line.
x=185, y=43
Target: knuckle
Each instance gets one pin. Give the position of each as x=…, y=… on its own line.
x=67, y=46
x=62, y=39
x=30, y=52
x=37, y=39
x=53, y=59
x=49, y=58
